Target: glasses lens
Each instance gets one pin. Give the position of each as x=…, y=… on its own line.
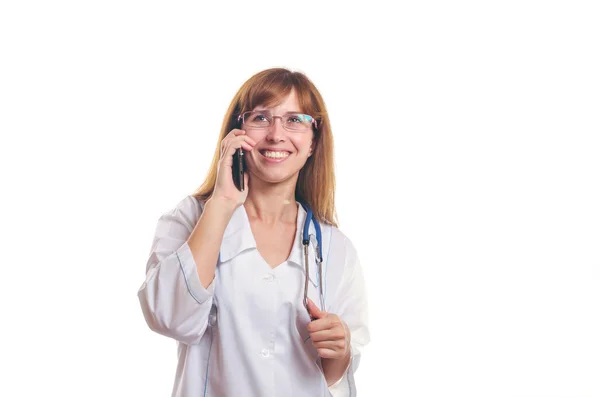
x=297, y=121
x=257, y=119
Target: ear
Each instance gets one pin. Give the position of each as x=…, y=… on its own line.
x=311, y=149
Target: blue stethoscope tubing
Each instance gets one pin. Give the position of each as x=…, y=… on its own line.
x=306, y=238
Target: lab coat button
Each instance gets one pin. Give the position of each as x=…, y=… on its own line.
x=212, y=319
x=268, y=277
x=264, y=353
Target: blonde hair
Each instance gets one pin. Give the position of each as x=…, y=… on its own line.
x=316, y=180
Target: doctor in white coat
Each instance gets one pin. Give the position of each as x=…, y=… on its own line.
x=226, y=272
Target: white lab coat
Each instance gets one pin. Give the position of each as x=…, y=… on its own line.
x=245, y=335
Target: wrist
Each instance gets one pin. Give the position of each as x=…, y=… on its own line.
x=222, y=206
x=335, y=368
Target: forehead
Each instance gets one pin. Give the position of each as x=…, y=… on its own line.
x=289, y=104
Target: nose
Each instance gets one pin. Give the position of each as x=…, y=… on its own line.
x=276, y=133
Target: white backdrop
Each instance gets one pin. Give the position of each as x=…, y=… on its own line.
x=467, y=157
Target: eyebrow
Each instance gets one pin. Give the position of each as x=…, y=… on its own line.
x=269, y=110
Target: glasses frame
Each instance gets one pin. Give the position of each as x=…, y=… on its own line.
x=241, y=118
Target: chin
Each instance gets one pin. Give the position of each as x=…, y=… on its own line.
x=275, y=177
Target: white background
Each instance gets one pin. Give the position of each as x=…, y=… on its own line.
x=467, y=158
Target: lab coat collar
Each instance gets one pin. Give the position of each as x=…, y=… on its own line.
x=238, y=237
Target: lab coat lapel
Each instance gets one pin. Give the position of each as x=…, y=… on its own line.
x=238, y=237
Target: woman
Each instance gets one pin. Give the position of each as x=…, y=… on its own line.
x=226, y=273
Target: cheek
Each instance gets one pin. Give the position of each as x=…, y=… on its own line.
x=302, y=145
x=255, y=135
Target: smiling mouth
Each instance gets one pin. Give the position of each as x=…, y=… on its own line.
x=276, y=155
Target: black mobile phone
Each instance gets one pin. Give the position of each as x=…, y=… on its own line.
x=239, y=167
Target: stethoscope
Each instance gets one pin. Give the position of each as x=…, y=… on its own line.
x=318, y=243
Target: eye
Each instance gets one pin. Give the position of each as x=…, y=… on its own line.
x=298, y=118
x=259, y=117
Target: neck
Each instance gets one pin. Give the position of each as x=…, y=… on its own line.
x=272, y=202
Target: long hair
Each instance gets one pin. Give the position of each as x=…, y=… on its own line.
x=316, y=180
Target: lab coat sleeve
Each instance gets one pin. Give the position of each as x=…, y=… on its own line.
x=350, y=305
x=173, y=300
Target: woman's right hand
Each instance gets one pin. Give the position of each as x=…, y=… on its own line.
x=224, y=187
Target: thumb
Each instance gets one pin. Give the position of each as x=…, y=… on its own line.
x=314, y=310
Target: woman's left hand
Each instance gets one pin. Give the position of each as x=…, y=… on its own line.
x=330, y=335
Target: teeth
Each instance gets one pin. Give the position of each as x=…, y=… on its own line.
x=276, y=155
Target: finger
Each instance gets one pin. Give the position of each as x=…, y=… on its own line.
x=328, y=353
x=320, y=324
x=230, y=136
x=227, y=152
x=234, y=134
x=314, y=310
x=244, y=141
x=328, y=334
x=249, y=140
x=238, y=142
x=337, y=345
x=227, y=155
x=230, y=149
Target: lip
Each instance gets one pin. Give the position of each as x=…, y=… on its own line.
x=273, y=160
x=274, y=149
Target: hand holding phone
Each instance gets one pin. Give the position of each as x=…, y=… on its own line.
x=234, y=148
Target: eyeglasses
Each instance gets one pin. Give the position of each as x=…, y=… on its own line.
x=265, y=119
